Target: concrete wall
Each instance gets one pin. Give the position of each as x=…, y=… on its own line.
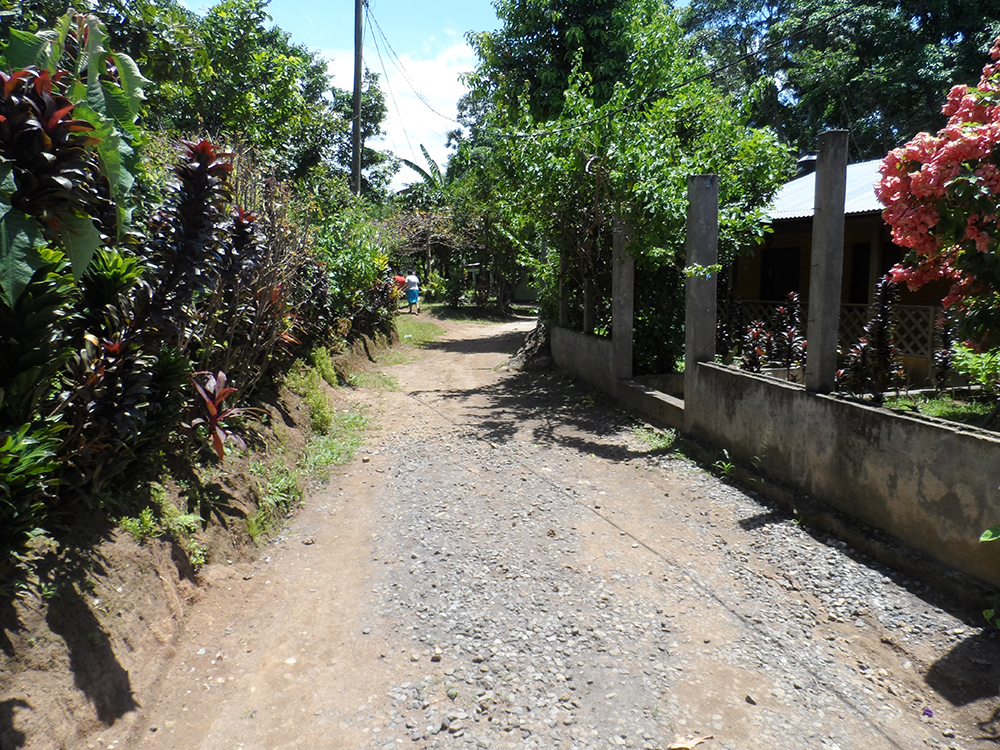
x=929, y=484
x=590, y=359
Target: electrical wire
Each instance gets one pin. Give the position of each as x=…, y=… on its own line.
x=388, y=86
x=660, y=93
x=402, y=70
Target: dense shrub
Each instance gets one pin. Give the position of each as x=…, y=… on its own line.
x=119, y=338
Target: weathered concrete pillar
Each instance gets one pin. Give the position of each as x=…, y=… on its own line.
x=701, y=248
x=827, y=266
x=622, y=302
x=563, y=293
x=589, y=305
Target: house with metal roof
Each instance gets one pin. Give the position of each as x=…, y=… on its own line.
x=782, y=262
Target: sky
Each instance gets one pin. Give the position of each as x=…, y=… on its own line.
x=428, y=38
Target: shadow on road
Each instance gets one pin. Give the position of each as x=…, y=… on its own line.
x=554, y=409
x=11, y=738
x=502, y=341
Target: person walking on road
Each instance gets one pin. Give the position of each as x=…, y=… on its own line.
x=412, y=291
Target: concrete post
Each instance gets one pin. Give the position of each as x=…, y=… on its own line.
x=589, y=305
x=563, y=294
x=622, y=302
x=827, y=266
x=702, y=248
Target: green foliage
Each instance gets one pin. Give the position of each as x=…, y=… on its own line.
x=307, y=383
x=377, y=167
x=143, y=527
x=622, y=158
x=981, y=368
x=880, y=68
x=120, y=277
x=943, y=406
x=338, y=446
x=278, y=491
x=352, y=251
x=28, y=462
x=533, y=54
x=323, y=363
x=416, y=332
x=723, y=466
x=259, y=86
x=374, y=380
x=658, y=441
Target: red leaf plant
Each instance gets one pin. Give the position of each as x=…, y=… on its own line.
x=213, y=393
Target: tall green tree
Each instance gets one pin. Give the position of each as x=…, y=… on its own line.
x=257, y=87
x=537, y=46
x=565, y=180
x=377, y=167
x=876, y=67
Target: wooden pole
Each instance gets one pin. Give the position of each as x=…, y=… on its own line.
x=356, y=134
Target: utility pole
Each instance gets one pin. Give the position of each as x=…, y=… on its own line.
x=356, y=134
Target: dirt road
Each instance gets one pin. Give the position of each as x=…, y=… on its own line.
x=508, y=565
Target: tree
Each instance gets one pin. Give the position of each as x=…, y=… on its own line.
x=259, y=88
x=377, y=167
x=536, y=50
x=875, y=67
x=942, y=198
x=564, y=182
x=163, y=38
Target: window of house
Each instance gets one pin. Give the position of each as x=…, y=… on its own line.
x=779, y=272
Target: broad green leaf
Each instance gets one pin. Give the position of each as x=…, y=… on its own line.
x=991, y=534
x=7, y=184
x=132, y=81
x=80, y=239
x=24, y=49
x=112, y=151
x=117, y=107
x=94, y=58
x=19, y=236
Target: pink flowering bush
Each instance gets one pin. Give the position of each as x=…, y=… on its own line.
x=942, y=199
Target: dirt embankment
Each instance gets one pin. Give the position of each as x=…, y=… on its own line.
x=94, y=617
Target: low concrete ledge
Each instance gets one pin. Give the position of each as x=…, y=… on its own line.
x=650, y=403
x=929, y=484
x=589, y=358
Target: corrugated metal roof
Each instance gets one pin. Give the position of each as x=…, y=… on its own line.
x=795, y=199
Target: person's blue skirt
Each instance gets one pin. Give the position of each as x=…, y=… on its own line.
x=413, y=296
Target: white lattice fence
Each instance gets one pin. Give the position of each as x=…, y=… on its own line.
x=914, y=324
x=915, y=330
x=852, y=324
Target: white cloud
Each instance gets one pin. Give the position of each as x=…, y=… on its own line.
x=409, y=121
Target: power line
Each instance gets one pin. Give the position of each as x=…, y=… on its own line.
x=659, y=93
x=402, y=70
x=392, y=96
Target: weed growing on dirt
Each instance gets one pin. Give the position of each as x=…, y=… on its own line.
x=375, y=380
x=943, y=407
x=181, y=527
x=724, y=467
x=338, y=446
x=321, y=360
x=414, y=332
x=394, y=357
x=658, y=441
x=279, y=490
x=142, y=528
x=307, y=383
